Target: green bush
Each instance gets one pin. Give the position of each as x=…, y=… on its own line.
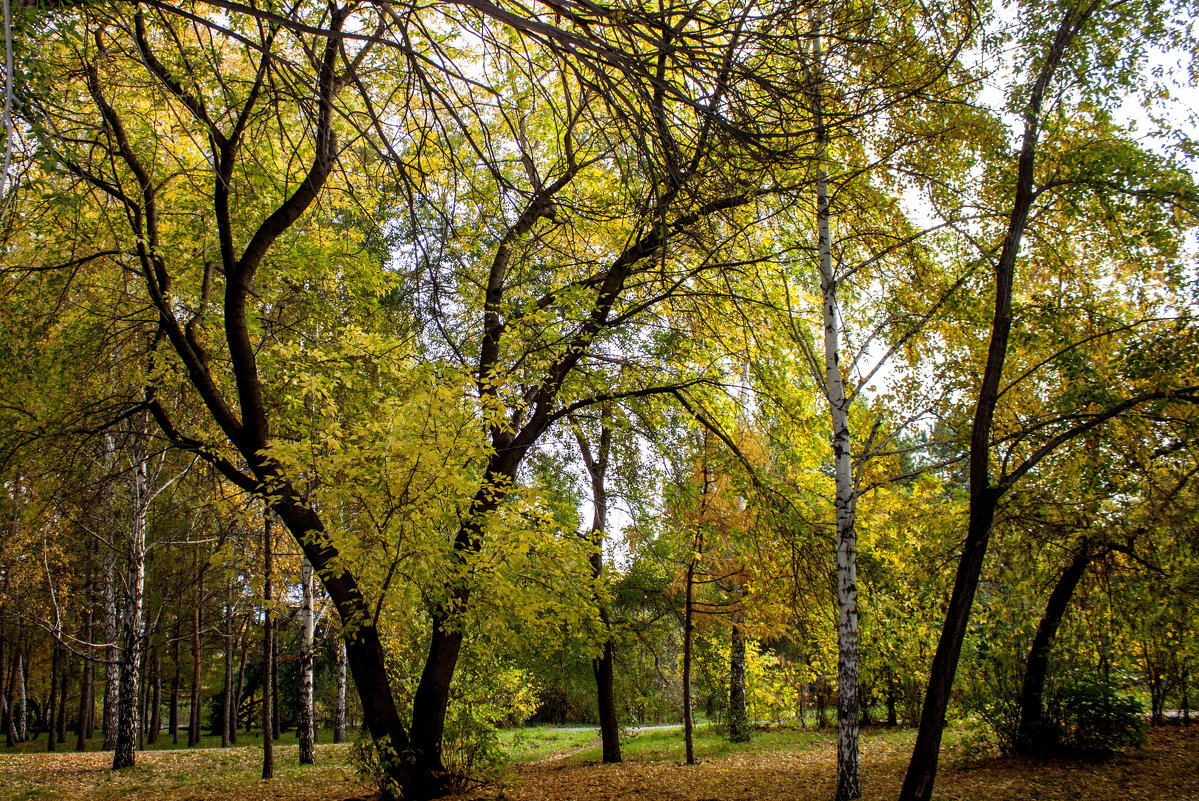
x=1089, y=716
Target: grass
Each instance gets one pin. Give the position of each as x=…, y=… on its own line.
x=561, y=765
x=164, y=742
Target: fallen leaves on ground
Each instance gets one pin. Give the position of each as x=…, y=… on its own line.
x=1166, y=770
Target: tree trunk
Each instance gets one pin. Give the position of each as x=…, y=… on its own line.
x=276, y=712
x=738, y=713
x=244, y=646
x=86, y=701
x=156, y=700
x=18, y=704
x=55, y=667
x=131, y=639
x=268, y=630
x=688, y=630
x=339, y=714
x=1030, y=735
x=849, y=783
x=63, y=692
x=173, y=722
x=307, y=732
x=112, y=667
x=603, y=668
x=228, y=718
x=984, y=497
x=193, y=725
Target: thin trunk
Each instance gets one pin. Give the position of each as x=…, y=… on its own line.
x=1030, y=737
x=276, y=712
x=87, y=689
x=243, y=640
x=63, y=692
x=55, y=667
x=339, y=714
x=849, y=783
x=156, y=702
x=738, y=713
x=984, y=496
x=193, y=725
x=688, y=726
x=20, y=721
x=112, y=668
x=173, y=722
x=228, y=718
x=307, y=731
x=603, y=667
x=268, y=748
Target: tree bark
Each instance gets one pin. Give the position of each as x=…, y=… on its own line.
x=193, y=724
x=603, y=667
x=112, y=666
x=688, y=726
x=738, y=713
x=984, y=496
x=55, y=667
x=131, y=634
x=173, y=722
x=156, y=697
x=19, y=711
x=63, y=686
x=86, y=701
x=849, y=783
x=307, y=733
x=339, y=714
x=228, y=718
x=276, y=712
x=1030, y=732
x=268, y=631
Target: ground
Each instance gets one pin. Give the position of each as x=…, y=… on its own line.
x=795, y=766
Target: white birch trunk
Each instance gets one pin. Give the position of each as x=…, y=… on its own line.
x=848, y=775
x=307, y=732
x=112, y=667
x=131, y=640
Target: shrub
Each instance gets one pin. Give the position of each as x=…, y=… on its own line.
x=1088, y=716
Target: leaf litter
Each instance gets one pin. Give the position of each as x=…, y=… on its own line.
x=1166, y=770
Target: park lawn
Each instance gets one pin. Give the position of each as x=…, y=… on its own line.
x=778, y=765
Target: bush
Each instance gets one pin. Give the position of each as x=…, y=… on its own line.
x=1089, y=717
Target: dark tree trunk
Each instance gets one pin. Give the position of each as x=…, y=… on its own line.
x=229, y=717
x=55, y=667
x=63, y=687
x=738, y=713
x=243, y=638
x=688, y=606
x=268, y=630
x=1030, y=734
x=603, y=667
x=193, y=726
x=173, y=721
x=276, y=713
x=984, y=497
x=86, y=701
x=156, y=697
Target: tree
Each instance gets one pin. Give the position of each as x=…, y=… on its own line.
x=986, y=492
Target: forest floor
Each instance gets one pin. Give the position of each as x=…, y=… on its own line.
x=782, y=765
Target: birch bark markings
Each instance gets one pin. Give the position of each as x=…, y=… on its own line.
x=131, y=634
x=848, y=772
x=306, y=733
